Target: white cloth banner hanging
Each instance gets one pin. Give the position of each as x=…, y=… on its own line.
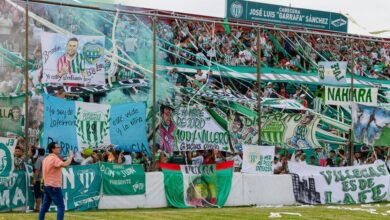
x=258, y=159
x=340, y=185
x=332, y=72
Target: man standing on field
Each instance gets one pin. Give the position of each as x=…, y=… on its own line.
x=51, y=171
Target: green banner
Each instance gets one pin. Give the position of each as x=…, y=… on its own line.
x=283, y=15
x=281, y=129
x=197, y=186
x=7, y=147
x=12, y=115
x=13, y=192
x=123, y=179
x=81, y=187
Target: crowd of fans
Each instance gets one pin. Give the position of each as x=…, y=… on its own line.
x=197, y=44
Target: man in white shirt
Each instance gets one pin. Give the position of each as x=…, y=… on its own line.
x=199, y=76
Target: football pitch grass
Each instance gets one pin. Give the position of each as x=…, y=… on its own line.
x=344, y=212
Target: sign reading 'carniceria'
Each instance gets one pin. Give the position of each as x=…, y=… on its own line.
x=343, y=95
x=277, y=14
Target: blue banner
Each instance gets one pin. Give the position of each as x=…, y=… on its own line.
x=77, y=125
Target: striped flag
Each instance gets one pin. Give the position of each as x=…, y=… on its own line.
x=75, y=65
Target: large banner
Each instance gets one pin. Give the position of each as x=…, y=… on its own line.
x=371, y=125
x=287, y=16
x=7, y=147
x=242, y=130
x=290, y=130
x=340, y=185
x=121, y=179
x=332, y=72
x=343, y=96
x=72, y=59
x=197, y=186
x=258, y=159
x=13, y=191
x=12, y=115
x=190, y=128
x=81, y=187
x=78, y=125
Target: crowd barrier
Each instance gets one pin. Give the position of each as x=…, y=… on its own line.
x=247, y=189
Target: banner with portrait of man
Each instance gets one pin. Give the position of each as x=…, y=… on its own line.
x=12, y=115
x=74, y=59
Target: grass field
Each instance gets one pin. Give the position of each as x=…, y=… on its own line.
x=366, y=212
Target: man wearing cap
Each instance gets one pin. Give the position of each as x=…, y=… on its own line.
x=51, y=172
x=303, y=101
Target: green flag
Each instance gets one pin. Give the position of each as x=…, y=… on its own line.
x=13, y=192
x=226, y=25
x=123, y=179
x=197, y=186
x=81, y=187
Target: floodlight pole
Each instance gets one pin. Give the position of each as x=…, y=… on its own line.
x=258, y=68
x=26, y=67
x=154, y=20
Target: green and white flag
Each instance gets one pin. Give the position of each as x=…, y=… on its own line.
x=258, y=159
x=123, y=179
x=332, y=72
x=290, y=129
x=196, y=130
x=197, y=186
x=343, y=96
x=81, y=187
x=7, y=147
x=282, y=103
x=93, y=124
x=340, y=185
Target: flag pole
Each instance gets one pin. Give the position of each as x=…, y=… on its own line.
x=26, y=67
x=258, y=70
x=154, y=93
x=351, y=147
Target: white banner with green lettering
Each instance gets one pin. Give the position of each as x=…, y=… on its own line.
x=258, y=159
x=340, y=185
x=123, y=179
x=196, y=130
x=343, y=96
x=332, y=72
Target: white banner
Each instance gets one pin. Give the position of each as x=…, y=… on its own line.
x=195, y=130
x=258, y=159
x=73, y=59
x=332, y=72
x=343, y=96
x=340, y=185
